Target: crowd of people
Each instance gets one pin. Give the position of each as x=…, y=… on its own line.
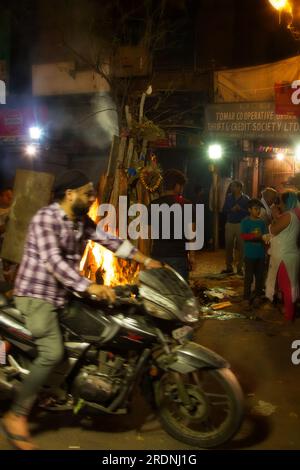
x=264, y=234
x=261, y=239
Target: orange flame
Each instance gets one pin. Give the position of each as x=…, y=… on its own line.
x=93, y=212
x=100, y=265
x=279, y=4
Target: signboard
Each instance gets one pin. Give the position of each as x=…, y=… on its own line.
x=15, y=122
x=249, y=121
x=284, y=100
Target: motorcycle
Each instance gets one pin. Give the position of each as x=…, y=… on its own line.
x=142, y=338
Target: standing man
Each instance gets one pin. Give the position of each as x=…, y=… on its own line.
x=235, y=209
x=268, y=198
x=50, y=266
x=171, y=250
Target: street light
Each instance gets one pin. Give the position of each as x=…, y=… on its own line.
x=297, y=153
x=280, y=156
x=35, y=133
x=279, y=4
x=284, y=5
x=31, y=150
x=215, y=152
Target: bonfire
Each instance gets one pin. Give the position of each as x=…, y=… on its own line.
x=101, y=266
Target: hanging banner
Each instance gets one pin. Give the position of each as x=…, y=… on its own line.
x=252, y=84
x=249, y=121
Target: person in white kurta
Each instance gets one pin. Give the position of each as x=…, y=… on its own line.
x=285, y=254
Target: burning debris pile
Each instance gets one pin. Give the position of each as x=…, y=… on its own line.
x=100, y=265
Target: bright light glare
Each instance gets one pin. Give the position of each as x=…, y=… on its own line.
x=35, y=133
x=279, y=4
x=31, y=150
x=215, y=152
x=297, y=154
x=280, y=156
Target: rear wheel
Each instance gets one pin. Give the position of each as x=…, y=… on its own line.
x=214, y=411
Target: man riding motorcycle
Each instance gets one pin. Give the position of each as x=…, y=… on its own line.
x=52, y=253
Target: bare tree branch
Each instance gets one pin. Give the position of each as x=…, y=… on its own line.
x=94, y=114
x=94, y=66
x=181, y=113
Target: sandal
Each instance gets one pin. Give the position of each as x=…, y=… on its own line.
x=14, y=438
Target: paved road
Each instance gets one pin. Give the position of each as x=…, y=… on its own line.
x=260, y=354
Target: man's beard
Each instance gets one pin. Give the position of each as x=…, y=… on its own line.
x=80, y=211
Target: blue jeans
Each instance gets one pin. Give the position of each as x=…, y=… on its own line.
x=179, y=263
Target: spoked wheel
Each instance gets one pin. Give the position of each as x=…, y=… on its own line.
x=210, y=413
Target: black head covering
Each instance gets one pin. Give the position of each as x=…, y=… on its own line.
x=71, y=179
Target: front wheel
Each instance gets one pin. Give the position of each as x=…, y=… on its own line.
x=211, y=412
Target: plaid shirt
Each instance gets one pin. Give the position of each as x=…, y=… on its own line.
x=52, y=253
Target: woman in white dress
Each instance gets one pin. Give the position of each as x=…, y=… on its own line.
x=285, y=255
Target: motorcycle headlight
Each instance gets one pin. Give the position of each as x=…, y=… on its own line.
x=191, y=311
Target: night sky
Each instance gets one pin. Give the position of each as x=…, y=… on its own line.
x=252, y=20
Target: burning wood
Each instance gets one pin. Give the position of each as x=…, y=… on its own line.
x=100, y=265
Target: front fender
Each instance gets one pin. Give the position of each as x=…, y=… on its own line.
x=189, y=357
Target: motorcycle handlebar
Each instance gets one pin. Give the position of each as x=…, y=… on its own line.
x=123, y=295
x=126, y=290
